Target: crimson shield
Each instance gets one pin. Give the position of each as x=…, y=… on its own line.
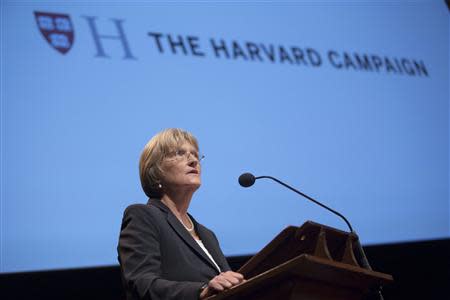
x=57, y=30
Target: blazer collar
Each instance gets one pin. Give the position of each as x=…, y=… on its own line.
x=186, y=236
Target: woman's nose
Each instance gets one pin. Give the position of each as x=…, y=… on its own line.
x=192, y=161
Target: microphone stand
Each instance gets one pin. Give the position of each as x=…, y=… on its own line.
x=311, y=199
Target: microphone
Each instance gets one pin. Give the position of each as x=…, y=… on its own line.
x=248, y=179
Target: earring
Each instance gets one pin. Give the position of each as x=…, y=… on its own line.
x=159, y=185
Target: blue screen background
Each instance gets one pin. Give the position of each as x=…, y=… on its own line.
x=373, y=145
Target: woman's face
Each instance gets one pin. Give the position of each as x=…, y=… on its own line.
x=181, y=168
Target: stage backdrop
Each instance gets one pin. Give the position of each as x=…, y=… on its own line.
x=348, y=102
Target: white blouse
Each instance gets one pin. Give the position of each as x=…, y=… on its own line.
x=200, y=243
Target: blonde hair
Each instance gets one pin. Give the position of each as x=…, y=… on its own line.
x=153, y=154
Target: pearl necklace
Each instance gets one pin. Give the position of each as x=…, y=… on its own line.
x=190, y=221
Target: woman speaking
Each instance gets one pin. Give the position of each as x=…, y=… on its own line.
x=164, y=253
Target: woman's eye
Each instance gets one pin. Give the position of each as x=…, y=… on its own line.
x=181, y=152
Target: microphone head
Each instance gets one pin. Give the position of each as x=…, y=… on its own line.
x=246, y=180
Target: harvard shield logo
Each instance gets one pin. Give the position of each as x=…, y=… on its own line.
x=57, y=29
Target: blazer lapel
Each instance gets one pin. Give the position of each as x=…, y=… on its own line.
x=209, y=242
x=183, y=233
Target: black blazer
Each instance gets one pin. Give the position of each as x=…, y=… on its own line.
x=158, y=257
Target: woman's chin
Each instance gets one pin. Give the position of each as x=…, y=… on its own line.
x=191, y=185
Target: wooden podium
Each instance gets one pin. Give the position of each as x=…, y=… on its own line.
x=311, y=262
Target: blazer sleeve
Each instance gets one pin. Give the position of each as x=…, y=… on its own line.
x=140, y=260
